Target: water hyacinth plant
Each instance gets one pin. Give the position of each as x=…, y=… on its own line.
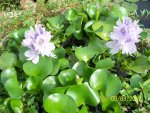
x=72, y=63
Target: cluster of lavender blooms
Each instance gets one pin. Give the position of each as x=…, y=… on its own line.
x=38, y=41
x=124, y=37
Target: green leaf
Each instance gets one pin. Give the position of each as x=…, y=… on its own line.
x=16, y=105
x=33, y=83
x=146, y=83
x=61, y=90
x=88, y=26
x=144, y=35
x=56, y=23
x=79, y=68
x=7, y=74
x=55, y=66
x=67, y=77
x=98, y=79
x=7, y=60
x=22, y=57
x=84, y=53
x=70, y=30
x=114, y=86
x=60, y=52
x=33, y=110
x=141, y=65
x=119, y=12
x=84, y=109
x=83, y=70
x=91, y=10
x=83, y=94
x=13, y=88
x=109, y=84
x=97, y=46
x=83, y=15
x=94, y=10
x=107, y=26
x=50, y=83
x=135, y=81
x=59, y=103
x=71, y=14
x=11, y=44
x=39, y=69
x=109, y=105
x=133, y=0
x=63, y=64
x=18, y=35
x=105, y=64
x=78, y=34
x=131, y=7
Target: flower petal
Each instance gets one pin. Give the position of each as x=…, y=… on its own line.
x=35, y=59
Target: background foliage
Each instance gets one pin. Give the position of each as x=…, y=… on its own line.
x=85, y=77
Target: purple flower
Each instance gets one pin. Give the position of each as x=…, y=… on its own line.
x=38, y=42
x=124, y=37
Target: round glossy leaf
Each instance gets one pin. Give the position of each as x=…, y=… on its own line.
x=98, y=79
x=7, y=74
x=135, y=81
x=113, y=86
x=83, y=94
x=55, y=66
x=33, y=83
x=105, y=64
x=109, y=84
x=78, y=34
x=91, y=10
x=83, y=70
x=88, y=26
x=18, y=35
x=13, y=88
x=84, y=53
x=50, y=83
x=59, y=103
x=119, y=12
x=67, y=77
x=79, y=68
x=141, y=64
x=107, y=28
x=7, y=60
x=71, y=14
x=16, y=105
x=83, y=15
x=98, y=46
x=60, y=52
x=43, y=68
x=61, y=90
x=63, y=64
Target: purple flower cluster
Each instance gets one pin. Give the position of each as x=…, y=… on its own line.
x=38, y=41
x=124, y=37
